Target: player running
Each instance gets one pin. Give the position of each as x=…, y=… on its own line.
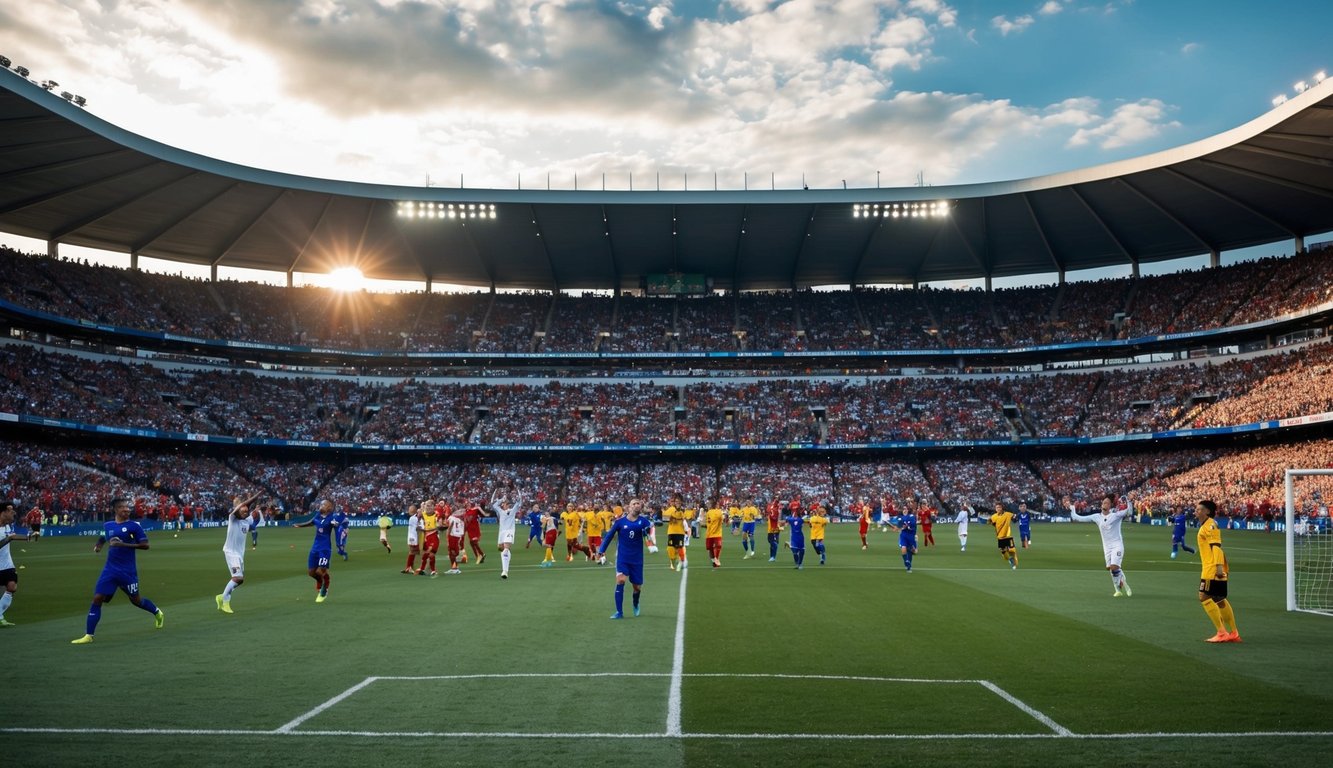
x=506, y=509
x=233, y=549
x=123, y=537
x=9, y=575
x=385, y=523
x=906, y=528
x=1178, y=533
x=472, y=527
x=632, y=530
x=1024, y=525
x=1214, y=576
x=343, y=522
x=321, y=549
x=1002, y=520
x=573, y=522
x=796, y=538
x=925, y=517
x=818, y=521
x=714, y=519
x=534, y=527
x=34, y=522
x=1113, y=543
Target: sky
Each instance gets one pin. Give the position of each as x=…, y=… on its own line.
x=494, y=93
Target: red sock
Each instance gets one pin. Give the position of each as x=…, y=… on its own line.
x=318, y=580
x=326, y=582
x=863, y=540
x=411, y=559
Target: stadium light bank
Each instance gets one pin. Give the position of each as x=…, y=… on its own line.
x=1301, y=87
x=931, y=209
x=411, y=209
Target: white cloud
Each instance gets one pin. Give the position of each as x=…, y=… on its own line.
x=1129, y=124
x=1189, y=48
x=1050, y=8
x=1007, y=26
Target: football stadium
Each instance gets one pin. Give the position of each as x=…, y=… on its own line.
x=727, y=473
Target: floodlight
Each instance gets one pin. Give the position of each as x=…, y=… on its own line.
x=1320, y=77
x=80, y=101
x=1279, y=100
x=1301, y=87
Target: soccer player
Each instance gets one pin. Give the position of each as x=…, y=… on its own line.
x=749, y=514
x=674, y=517
x=773, y=516
x=863, y=513
x=123, y=537
x=1002, y=520
x=456, y=525
x=534, y=527
x=1214, y=576
x=606, y=515
x=550, y=532
x=906, y=528
x=964, y=515
x=9, y=575
x=506, y=510
x=632, y=530
x=233, y=550
x=1113, y=543
x=734, y=515
x=257, y=520
x=595, y=525
x=1178, y=533
x=796, y=538
x=385, y=523
x=430, y=535
x=321, y=549
x=714, y=519
x=573, y=523
x=414, y=526
x=472, y=526
x=1024, y=525
x=818, y=521
x=342, y=521
x=34, y=522
x=925, y=516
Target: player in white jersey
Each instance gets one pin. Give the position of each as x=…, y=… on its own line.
x=506, y=509
x=238, y=530
x=413, y=537
x=9, y=575
x=457, y=529
x=965, y=513
x=1113, y=543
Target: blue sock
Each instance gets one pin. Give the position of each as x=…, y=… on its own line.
x=147, y=605
x=1186, y=547
x=800, y=556
x=907, y=559
x=819, y=547
x=636, y=598
x=1174, y=547
x=1115, y=579
x=620, y=598
x=94, y=616
x=772, y=548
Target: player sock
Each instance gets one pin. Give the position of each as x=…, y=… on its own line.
x=5, y=601
x=94, y=616
x=147, y=605
x=319, y=581
x=620, y=598
x=504, y=561
x=325, y=584
x=1115, y=578
x=1228, y=616
x=411, y=560
x=1187, y=548
x=227, y=590
x=550, y=555
x=1214, y=613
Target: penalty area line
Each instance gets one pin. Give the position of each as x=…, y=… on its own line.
x=1035, y=714
x=677, y=663
x=289, y=726
x=697, y=736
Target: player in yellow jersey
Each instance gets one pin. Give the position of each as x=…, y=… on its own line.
x=818, y=521
x=749, y=514
x=1215, y=574
x=1001, y=519
x=714, y=519
x=595, y=525
x=430, y=537
x=674, y=517
x=573, y=522
x=734, y=515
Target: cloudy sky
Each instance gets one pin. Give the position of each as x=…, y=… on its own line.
x=406, y=91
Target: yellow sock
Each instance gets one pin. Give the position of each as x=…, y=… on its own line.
x=550, y=554
x=1228, y=615
x=1214, y=613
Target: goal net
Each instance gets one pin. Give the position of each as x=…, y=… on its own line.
x=1309, y=533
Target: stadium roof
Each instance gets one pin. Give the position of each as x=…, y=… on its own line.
x=67, y=176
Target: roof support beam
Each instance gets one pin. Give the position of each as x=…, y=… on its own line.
x=800, y=249
x=1211, y=248
x=240, y=235
x=1307, y=138
x=28, y=202
x=740, y=247
x=611, y=249
x=153, y=236
x=921, y=262
x=98, y=215
x=319, y=222
x=865, y=248
x=985, y=270
x=1281, y=182
x=61, y=165
x=1231, y=199
x=550, y=263
x=1041, y=232
x=1133, y=260
x=1285, y=155
x=485, y=259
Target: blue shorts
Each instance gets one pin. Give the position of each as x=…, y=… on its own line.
x=110, y=581
x=1024, y=533
x=342, y=537
x=632, y=571
x=1178, y=538
x=797, y=544
x=905, y=540
x=747, y=529
x=318, y=559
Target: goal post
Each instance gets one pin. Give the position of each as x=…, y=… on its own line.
x=1309, y=544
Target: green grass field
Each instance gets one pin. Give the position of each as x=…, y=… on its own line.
x=852, y=663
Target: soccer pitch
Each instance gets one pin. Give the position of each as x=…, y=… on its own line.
x=855, y=662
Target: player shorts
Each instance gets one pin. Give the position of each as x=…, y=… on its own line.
x=413, y=540
x=534, y=533
x=864, y=528
x=748, y=529
x=1113, y=555
x=713, y=542
x=633, y=571
x=595, y=542
x=318, y=559
x=455, y=544
x=905, y=540
x=1005, y=543
x=432, y=542
x=110, y=581
x=1177, y=538
x=9, y=576
x=675, y=539
x=235, y=564
x=550, y=538
x=797, y=545
x=1213, y=588
x=506, y=537
x=384, y=534
x=1023, y=533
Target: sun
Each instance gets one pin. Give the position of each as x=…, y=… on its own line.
x=347, y=279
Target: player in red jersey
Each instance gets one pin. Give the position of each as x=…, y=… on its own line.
x=925, y=517
x=863, y=515
x=472, y=527
x=773, y=514
x=34, y=522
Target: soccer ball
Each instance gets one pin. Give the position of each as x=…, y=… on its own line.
x=175, y=535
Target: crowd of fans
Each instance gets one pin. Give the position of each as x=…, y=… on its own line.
x=925, y=318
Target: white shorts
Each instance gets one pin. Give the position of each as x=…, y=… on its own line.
x=384, y=534
x=506, y=537
x=1114, y=554
x=235, y=564
x=412, y=540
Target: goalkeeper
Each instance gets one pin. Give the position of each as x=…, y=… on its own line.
x=1213, y=579
x=632, y=530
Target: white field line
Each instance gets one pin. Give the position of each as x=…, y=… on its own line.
x=677, y=664
x=1040, y=717
x=288, y=727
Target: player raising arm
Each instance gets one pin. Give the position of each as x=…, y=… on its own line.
x=321, y=549
x=632, y=530
x=233, y=549
x=1113, y=543
x=506, y=509
x=123, y=537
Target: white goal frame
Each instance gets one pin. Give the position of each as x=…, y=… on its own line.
x=1290, y=498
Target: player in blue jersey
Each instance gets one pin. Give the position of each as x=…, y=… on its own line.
x=321, y=551
x=342, y=521
x=534, y=527
x=906, y=528
x=1178, y=532
x=796, y=538
x=633, y=531
x=1024, y=524
x=123, y=537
